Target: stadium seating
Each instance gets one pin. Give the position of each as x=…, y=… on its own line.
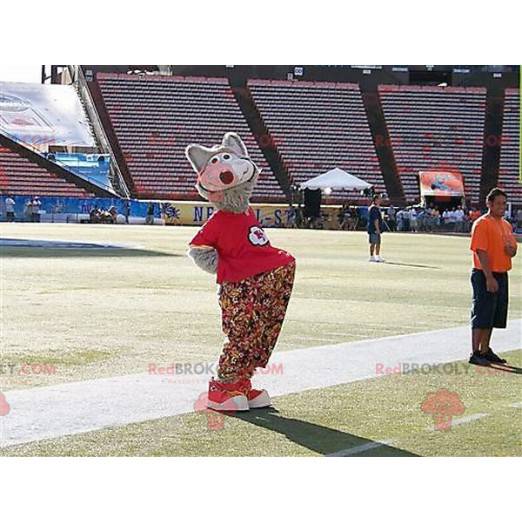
x=436, y=128
x=155, y=117
x=317, y=127
x=20, y=176
x=510, y=149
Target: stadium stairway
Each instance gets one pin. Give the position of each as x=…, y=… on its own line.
x=382, y=142
x=263, y=137
x=492, y=139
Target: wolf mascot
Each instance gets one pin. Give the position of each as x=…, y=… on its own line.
x=255, y=278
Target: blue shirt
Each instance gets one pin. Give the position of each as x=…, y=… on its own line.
x=374, y=213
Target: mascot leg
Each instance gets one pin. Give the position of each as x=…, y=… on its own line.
x=253, y=311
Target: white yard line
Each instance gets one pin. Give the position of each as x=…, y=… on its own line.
x=54, y=411
x=361, y=449
x=348, y=452
x=463, y=420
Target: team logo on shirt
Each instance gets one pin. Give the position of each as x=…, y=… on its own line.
x=257, y=236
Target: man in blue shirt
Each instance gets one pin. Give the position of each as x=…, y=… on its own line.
x=375, y=229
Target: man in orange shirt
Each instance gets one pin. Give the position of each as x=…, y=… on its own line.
x=493, y=246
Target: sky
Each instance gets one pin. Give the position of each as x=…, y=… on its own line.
x=20, y=73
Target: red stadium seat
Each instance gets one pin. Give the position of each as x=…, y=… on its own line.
x=317, y=126
x=155, y=118
x=20, y=176
x=510, y=148
x=436, y=128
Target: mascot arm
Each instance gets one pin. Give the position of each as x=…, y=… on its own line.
x=205, y=257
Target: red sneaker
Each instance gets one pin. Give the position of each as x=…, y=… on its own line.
x=256, y=398
x=226, y=396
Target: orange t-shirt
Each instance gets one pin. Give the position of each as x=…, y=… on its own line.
x=491, y=234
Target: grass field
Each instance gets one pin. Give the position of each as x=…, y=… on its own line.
x=95, y=313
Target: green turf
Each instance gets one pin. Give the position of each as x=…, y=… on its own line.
x=321, y=422
x=95, y=313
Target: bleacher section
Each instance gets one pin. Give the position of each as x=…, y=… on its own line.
x=20, y=176
x=436, y=128
x=155, y=117
x=317, y=127
x=508, y=177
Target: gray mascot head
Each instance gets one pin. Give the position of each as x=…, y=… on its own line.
x=226, y=174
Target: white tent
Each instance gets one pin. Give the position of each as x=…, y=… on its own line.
x=336, y=179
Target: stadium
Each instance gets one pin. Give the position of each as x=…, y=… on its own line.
x=110, y=333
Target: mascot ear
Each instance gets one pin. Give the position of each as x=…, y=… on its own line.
x=198, y=156
x=234, y=142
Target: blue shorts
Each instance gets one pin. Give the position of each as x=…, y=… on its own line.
x=489, y=310
x=375, y=239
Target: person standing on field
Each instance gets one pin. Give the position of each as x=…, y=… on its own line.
x=375, y=229
x=493, y=245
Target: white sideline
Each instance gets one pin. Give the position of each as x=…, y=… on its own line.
x=78, y=407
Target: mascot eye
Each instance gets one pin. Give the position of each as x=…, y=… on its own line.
x=214, y=160
x=226, y=156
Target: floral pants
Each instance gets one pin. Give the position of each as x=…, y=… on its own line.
x=253, y=311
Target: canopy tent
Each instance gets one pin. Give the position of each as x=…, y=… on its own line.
x=336, y=179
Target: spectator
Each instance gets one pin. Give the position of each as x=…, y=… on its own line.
x=452, y=219
x=291, y=217
x=400, y=220
x=423, y=217
x=445, y=218
x=519, y=218
x=392, y=223
x=474, y=214
x=127, y=211
x=35, y=209
x=435, y=219
x=467, y=223
x=347, y=219
x=413, y=220
x=94, y=214
x=28, y=209
x=149, y=220
x=9, y=209
x=299, y=216
x=459, y=219
x=113, y=214
x=406, y=220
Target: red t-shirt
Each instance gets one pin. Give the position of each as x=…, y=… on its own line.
x=242, y=246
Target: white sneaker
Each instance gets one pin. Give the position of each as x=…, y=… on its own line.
x=372, y=260
x=379, y=259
